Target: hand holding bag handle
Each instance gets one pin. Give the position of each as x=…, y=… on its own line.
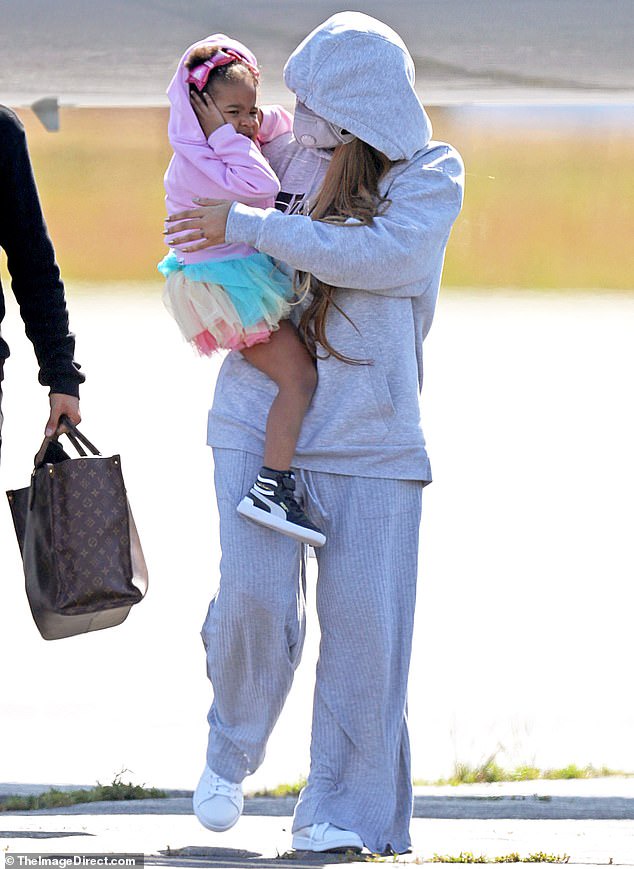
x=65, y=426
x=83, y=562
x=75, y=436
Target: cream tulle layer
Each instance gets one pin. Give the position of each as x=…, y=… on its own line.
x=209, y=319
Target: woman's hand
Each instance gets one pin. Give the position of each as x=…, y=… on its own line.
x=205, y=226
x=207, y=112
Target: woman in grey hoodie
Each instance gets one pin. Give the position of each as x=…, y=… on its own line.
x=361, y=462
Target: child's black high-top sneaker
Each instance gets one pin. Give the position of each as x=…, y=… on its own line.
x=271, y=502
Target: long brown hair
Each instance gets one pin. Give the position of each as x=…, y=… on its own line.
x=350, y=190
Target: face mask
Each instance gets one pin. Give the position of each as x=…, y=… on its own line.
x=311, y=131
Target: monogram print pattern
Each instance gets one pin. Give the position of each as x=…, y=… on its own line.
x=89, y=557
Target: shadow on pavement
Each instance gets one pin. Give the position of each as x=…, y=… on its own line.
x=39, y=834
x=230, y=858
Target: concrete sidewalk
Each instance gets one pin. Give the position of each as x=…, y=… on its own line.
x=592, y=822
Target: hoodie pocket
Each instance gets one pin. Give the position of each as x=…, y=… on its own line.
x=382, y=394
x=371, y=386
x=352, y=409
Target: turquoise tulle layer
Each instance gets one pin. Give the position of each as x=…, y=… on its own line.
x=226, y=304
x=254, y=284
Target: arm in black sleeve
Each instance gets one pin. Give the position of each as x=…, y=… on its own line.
x=34, y=273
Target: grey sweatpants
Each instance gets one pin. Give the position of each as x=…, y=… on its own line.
x=360, y=761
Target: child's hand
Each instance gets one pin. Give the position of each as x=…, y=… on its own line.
x=209, y=117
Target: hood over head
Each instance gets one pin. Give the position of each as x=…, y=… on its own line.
x=357, y=73
x=183, y=124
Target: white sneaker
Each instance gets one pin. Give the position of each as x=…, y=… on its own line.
x=326, y=837
x=271, y=502
x=218, y=803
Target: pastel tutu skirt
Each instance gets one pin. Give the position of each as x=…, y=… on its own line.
x=227, y=304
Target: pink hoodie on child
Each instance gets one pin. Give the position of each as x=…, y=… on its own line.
x=227, y=165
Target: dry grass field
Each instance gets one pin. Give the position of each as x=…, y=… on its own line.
x=542, y=210
x=544, y=207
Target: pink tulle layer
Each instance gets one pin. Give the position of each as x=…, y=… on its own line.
x=209, y=320
x=207, y=345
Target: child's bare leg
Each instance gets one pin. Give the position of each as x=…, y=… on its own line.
x=287, y=362
x=271, y=500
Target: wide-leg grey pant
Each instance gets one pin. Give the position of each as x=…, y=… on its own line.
x=254, y=631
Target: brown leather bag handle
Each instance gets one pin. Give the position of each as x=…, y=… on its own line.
x=76, y=437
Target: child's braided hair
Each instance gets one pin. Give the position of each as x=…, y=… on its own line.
x=234, y=71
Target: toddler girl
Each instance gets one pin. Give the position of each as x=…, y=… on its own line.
x=230, y=296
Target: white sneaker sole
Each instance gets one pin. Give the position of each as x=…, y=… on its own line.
x=303, y=843
x=247, y=509
x=216, y=828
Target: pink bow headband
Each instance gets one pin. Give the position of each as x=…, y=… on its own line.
x=199, y=74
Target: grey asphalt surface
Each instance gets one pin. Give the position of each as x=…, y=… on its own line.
x=464, y=51
x=589, y=821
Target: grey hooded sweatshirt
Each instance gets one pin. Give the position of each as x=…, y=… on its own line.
x=364, y=420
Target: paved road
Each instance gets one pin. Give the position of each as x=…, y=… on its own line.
x=488, y=668
x=502, y=49
x=259, y=841
x=592, y=822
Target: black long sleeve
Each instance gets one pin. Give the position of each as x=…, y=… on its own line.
x=35, y=277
